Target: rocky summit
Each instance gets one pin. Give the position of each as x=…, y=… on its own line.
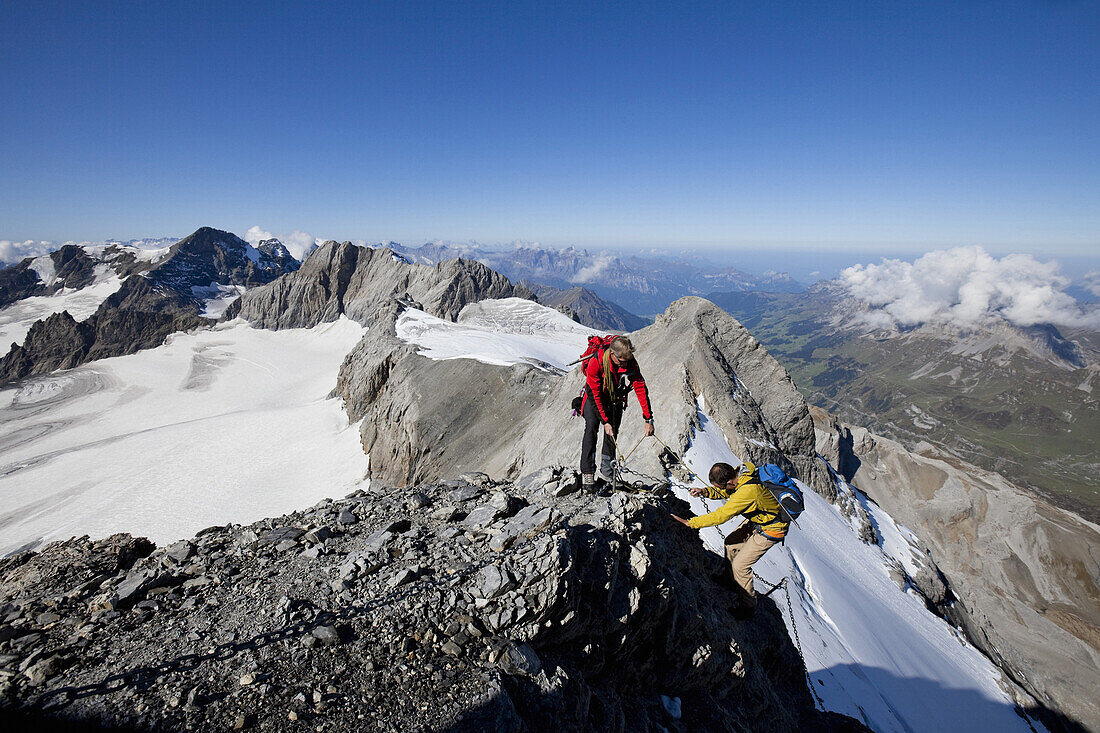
x=464, y=604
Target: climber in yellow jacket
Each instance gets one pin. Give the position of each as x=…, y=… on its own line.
x=765, y=527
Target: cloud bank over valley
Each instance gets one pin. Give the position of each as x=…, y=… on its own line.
x=965, y=287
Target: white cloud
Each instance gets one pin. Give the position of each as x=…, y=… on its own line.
x=591, y=272
x=1092, y=282
x=12, y=253
x=298, y=243
x=255, y=235
x=965, y=286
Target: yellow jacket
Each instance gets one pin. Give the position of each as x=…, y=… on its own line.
x=750, y=498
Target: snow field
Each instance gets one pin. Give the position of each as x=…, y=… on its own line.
x=230, y=424
x=874, y=652
x=217, y=297
x=16, y=319
x=503, y=332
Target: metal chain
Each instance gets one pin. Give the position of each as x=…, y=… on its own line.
x=620, y=469
x=794, y=630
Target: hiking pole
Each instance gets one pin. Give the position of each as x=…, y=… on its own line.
x=578, y=361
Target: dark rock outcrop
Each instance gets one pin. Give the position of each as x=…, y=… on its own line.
x=136, y=317
x=470, y=605
x=58, y=342
x=72, y=267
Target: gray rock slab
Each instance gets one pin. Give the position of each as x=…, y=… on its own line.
x=483, y=516
x=280, y=534
x=520, y=660
x=464, y=493
x=493, y=580
x=180, y=551
x=528, y=522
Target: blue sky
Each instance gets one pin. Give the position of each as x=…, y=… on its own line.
x=866, y=127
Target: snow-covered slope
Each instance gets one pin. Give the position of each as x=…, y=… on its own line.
x=504, y=331
x=872, y=651
x=17, y=318
x=872, y=648
x=216, y=426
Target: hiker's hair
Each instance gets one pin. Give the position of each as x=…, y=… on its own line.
x=723, y=473
x=622, y=347
x=624, y=351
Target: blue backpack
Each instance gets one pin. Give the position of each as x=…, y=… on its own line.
x=783, y=488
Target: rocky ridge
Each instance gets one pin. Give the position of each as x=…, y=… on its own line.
x=1023, y=575
x=461, y=605
x=345, y=279
x=421, y=416
x=67, y=267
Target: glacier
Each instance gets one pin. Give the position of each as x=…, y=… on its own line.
x=229, y=424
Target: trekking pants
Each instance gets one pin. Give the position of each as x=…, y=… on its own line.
x=743, y=548
x=593, y=428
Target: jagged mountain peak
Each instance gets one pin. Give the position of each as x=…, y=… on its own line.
x=214, y=256
x=273, y=248
x=343, y=278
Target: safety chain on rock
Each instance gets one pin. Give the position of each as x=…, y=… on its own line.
x=794, y=630
x=620, y=468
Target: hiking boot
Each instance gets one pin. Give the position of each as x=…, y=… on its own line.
x=588, y=483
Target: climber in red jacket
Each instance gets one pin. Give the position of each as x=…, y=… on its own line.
x=609, y=375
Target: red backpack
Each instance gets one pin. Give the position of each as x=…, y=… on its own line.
x=596, y=344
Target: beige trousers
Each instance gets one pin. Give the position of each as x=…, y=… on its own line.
x=743, y=548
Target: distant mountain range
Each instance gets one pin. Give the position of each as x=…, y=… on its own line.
x=645, y=284
x=449, y=368
x=142, y=295
x=1019, y=401
x=584, y=306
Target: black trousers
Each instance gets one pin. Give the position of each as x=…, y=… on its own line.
x=593, y=428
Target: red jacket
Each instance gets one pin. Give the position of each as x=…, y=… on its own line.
x=593, y=375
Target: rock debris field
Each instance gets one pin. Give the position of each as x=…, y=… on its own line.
x=457, y=605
